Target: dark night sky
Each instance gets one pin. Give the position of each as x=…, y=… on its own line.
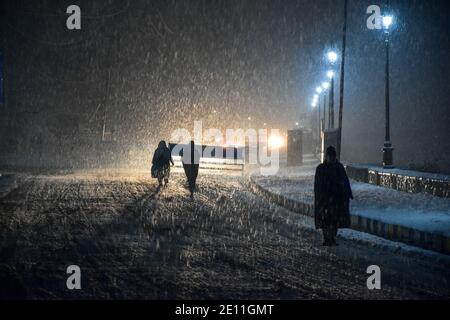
x=173, y=62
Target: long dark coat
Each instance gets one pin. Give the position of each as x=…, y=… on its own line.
x=332, y=193
x=191, y=162
x=161, y=161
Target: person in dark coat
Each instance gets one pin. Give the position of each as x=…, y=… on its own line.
x=332, y=194
x=162, y=158
x=191, y=159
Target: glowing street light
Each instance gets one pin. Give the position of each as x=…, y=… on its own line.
x=332, y=56
x=319, y=90
x=330, y=74
x=387, y=21
x=325, y=85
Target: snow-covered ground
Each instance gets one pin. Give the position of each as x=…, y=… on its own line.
x=419, y=211
x=132, y=241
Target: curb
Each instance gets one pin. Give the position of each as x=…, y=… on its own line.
x=422, y=239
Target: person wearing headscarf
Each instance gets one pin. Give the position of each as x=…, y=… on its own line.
x=162, y=158
x=332, y=194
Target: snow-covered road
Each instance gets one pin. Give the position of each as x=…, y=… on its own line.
x=131, y=241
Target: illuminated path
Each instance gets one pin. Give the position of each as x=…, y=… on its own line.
x=132, y=242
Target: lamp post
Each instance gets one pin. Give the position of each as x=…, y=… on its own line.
x=332, y=58
x=314, y=105
x=325, y=86
x=388, y=160
x=319, y=91
x=330, y=75
x=341, y=88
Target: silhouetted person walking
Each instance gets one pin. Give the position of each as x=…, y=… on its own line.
x=332, y=194
x=191, y=159
x=162, y=158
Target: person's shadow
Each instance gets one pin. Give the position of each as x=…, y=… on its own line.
x=141, y=224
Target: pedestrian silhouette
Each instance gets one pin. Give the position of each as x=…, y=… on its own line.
x=191, y=159
x=332, y=194
x=162, y=158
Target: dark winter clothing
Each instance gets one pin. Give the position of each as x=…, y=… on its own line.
x=190, y=158
x=332, y=194
x=329, y=235
x=162, y=159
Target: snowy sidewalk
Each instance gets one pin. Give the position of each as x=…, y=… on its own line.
x=418, y=219
x=402, y=180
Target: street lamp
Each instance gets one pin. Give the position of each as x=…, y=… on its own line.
x=342, y=77
x=319, y=90
x=388, y=150
x=314, y=104
x=387, y=22
x=325, y=86
x=332, y=58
